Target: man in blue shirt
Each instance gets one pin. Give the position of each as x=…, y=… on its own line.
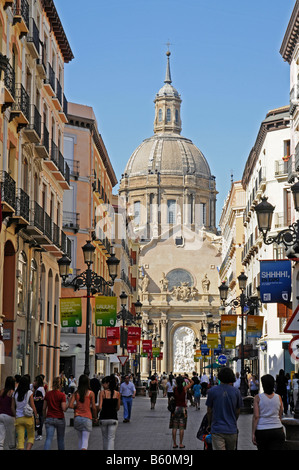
x=127, y=391
x=224, y=402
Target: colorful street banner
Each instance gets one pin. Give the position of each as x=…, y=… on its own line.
x=212, y=340
x=113, y=336
x=229, y=342
x=229, y=325
x=156, y=352
x=275, y=281
x=134, y=335
x=70, y=312
x=131, y=348
x=197, y=353
x=147, y=345
x=105, y=310
x=254, y=326
x=205, y=351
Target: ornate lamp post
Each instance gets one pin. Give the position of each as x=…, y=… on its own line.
x=241, y=301
x=89, y=280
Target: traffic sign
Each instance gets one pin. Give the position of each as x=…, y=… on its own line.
x=294, y=348
x=222, y=359
x=123, y=359
x=292, y=325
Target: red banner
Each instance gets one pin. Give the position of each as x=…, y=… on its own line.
x=147, y=345
x=134, y=335
x=132, y=348
x=113, y=336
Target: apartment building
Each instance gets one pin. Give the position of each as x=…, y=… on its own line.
x=87, y=215
x=266, y=174
x=33, y=176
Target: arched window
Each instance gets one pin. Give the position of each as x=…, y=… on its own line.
x=137, y=212
x=22, y=284
x=34, y=287
x=168, y=115
x=160, y=115
x=176, y=116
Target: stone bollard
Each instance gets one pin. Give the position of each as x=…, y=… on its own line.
x=292, y=433
x=247, y=407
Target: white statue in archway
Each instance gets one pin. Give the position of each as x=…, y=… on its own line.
x=183, y=354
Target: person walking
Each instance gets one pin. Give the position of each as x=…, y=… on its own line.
x=22, y=397
x=204, y=381
x=267, y=429
x=83, y=403
x=54, y=407
x=109, y=404
x=169, y=386
x=163, y=384
x=178, y=419
x=281, y=389
x=72, y=384
x=127, y=392
x=295, y=386
x=253, y=386
x=95, y=386
x=153, y=391
x=7, y=419
x=223, y=408
x=38, y=396
x=196, y=392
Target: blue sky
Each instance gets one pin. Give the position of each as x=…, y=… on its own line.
x=225, y=63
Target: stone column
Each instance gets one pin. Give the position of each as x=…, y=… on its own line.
x=163, y=323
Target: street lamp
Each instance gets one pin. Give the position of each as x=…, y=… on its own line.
x=89, y=279
x=289, y=237
x=241, y=301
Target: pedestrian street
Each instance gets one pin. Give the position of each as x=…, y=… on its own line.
x=149, y=430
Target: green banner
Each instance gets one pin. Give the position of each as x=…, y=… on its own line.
x=105, y=311
x=156, y=352
x=70, y=312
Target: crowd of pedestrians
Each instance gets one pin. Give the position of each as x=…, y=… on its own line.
x=29, y=410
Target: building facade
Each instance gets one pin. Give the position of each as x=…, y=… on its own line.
x=266, y=174
x=87, y=215
x=33, y=176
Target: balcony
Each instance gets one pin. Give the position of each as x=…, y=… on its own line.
x=22, y=208
x=49, y=82
x=21, y=16
x=9, y=86
x=71, y=220
x=74, y=166
x=41, y=63
x=20, y=109
x=8, y=194
x=63, y=112
x=33, y=39
x=42, y=147
x=33, y=130
x=57, y=165
x=57, y=100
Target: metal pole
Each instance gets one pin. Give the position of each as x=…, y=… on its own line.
x=243, y=388
x=88, y=286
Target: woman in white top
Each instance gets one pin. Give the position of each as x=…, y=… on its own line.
x=267, y=429
x=24, y=396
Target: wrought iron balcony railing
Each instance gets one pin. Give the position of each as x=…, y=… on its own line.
x=21, y=103
x=8, y=189
x=22, y=206
x=21, y=9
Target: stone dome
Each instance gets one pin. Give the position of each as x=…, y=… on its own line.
x=167, y=154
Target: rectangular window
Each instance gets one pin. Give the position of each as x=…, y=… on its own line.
x=137, y=212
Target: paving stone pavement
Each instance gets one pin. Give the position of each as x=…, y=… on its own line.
x=149, y=430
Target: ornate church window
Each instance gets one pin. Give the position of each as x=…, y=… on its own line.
x=160, y=115
x=168, y=115
x=178, y=276
x=171, y=211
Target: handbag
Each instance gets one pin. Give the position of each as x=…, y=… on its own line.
x=171, y=405
x=28, y=411
x=202, y=432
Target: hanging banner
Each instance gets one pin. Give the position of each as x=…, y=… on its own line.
x=131, y=348
x=254, y=326
x=105, y=310
x=212, y=340
x=156, y=352
x=275, y=281
x=229, y=325
x=113, y=336
x=229, y=342
x=134, y=335
x=147, y=345
x=205, y=351
x=70, y=312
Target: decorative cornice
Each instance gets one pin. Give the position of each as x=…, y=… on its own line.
x=291, y=36
x=57, y=28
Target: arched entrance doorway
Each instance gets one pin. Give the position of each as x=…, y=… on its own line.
x=8, y=305
x=183, y=353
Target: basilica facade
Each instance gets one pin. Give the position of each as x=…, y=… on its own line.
x=170, y=194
